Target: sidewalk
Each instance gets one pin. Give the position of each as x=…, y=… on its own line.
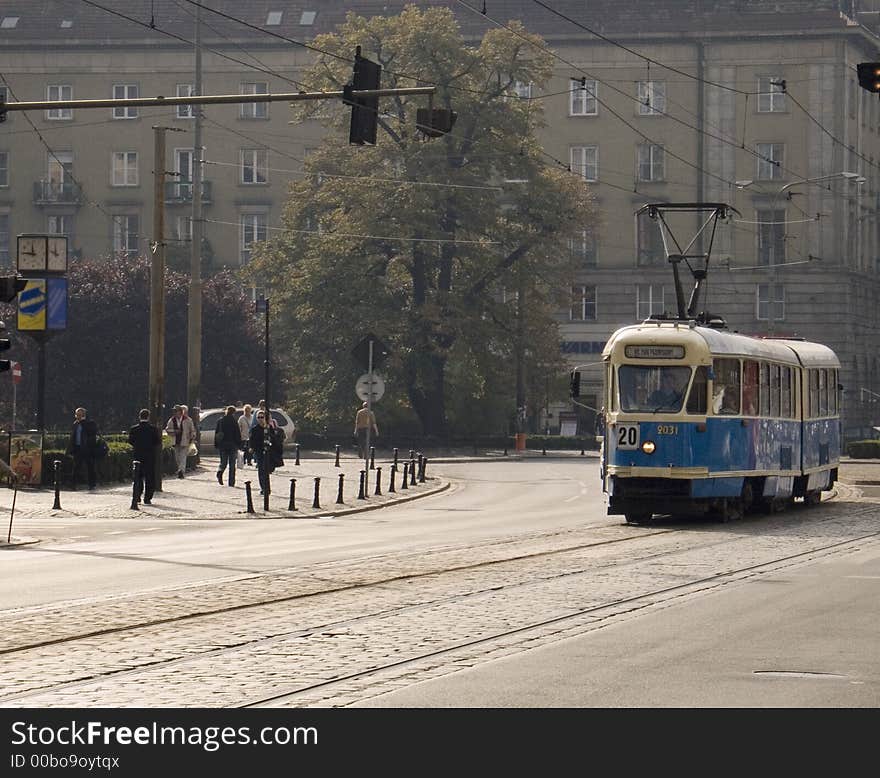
x=199, y=496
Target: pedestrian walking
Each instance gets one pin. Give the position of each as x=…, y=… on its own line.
x=363, y=421
x=261, y=406
x=245, y=422
x=227, y=440
x=259, y=438
x=82, y=445
x=145, y=440
x=183, y=432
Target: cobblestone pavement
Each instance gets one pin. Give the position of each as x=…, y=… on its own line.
x=343, y=632
x=200, y=496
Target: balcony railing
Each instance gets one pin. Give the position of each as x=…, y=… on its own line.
x=182, y=192
x=57, y=192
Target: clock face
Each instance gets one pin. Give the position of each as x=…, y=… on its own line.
x=57, y=259
x=31, y=253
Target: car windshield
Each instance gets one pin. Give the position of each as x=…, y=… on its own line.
x=652, y=389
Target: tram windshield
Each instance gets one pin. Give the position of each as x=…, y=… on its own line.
x=652, y=389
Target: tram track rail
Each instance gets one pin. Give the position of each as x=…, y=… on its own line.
x=427, y=602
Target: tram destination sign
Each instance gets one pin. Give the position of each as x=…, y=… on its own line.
x=654, y=352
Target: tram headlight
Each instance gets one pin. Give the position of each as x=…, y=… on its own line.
x=648, y=447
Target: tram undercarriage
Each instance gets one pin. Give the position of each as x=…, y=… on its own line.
x=640, y=499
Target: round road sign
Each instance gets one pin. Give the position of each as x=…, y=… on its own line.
x=362, y=387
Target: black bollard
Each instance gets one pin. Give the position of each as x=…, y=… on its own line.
x=404, y=483
x=316, y=503
x=297, y=454
x=372, y=457
x=291, y=506
x=135, y=475
x=362, y=489
x=57, y=466
x=337, y=455
x=505, y=451
x=378, y=481
x=412, y=453
x=420, y=465
x=339, y=500
x=412, y=472
x=544, y=450
x=266, y=497
x=393, y=473
x=422, y=470
x=395, y=457
x=250, y=502
x=582, y=452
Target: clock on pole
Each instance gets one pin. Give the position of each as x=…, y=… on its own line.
x=32, y=253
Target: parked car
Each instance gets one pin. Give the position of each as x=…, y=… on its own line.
x=210, y=417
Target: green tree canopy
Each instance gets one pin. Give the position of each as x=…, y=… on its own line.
x=427, y=243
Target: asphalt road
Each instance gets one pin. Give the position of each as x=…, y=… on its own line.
x=487, y=500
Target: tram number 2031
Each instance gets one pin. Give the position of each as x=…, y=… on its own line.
x=628, y=436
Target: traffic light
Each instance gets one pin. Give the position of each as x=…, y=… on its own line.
x=574, y=384
x=364, y=110
x=10, y=286
x=5, y=345
x=435, y=122
x=2, y=109
x=869, y=76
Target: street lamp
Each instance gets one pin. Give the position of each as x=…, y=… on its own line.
x=773, y=265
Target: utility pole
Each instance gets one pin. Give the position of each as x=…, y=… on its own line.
x=157, y=291
x=194, y=319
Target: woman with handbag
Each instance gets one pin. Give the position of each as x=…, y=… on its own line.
x=227, y=440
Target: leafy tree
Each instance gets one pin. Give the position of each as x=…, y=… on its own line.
x=102, y=360
x=425, y=243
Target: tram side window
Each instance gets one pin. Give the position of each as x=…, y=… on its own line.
x=764, y=390
x=699, y=391
x=813, y=378
x=785, y=404
x=823, y=393
x=833, y=393
x=750, y=388
x=725, y=394
x=774, y=390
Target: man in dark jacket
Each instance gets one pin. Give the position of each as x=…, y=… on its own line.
x=227, y=440
x=82, y=444
x=145, y=439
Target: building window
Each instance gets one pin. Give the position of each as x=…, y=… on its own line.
x=583, y=303
x=274, y=18
x=125, y=168
x=253, y=229
x=584, y=161
x=254, y=110
x=649, y=301
x=771, y=237
x=184, y=229
x=185, y=111
x=582, y=98
x=652, y=98
x=776, y=311
x=125, y=235
x=254, y=166
x=583, y=249
x=4, y=168
x=60, y=225
x=56, y=93
x=650, y=249
x=771, y=158
x=771, y=95
x=522, y=89
x=125, y=92
x=651, y=162
x=4, y=97
x=4, y=239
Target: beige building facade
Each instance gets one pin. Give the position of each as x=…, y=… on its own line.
x=751, y=104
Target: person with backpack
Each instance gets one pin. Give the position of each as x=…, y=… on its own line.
x=227, y=441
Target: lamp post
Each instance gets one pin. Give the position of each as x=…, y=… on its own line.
x=774, y=263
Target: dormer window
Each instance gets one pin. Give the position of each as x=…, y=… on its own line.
x=274, y=18
x=308, y=18
x=9, y=22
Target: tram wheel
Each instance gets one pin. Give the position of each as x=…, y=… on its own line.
x=638, y=517
x=813, y=498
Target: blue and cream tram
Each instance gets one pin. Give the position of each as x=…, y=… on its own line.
x=702, y=420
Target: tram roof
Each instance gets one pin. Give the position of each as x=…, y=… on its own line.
x=723, y=342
